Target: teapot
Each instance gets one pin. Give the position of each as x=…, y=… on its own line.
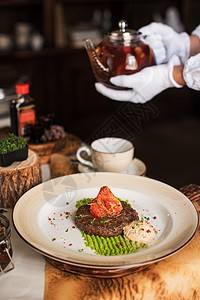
x=122, y=52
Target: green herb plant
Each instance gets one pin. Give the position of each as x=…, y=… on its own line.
x=11, y=143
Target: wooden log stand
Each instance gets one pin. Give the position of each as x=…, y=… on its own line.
x=18, y=178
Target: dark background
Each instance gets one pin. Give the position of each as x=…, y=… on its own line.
x=165, y=131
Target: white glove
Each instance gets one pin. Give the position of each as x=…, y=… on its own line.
x=175, y=43
x=196, y=31
x=144, y=85
x=156, y=43
x=191, y=72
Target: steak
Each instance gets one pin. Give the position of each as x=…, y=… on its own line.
x=105, y=226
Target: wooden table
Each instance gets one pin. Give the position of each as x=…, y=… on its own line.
x=176, y=277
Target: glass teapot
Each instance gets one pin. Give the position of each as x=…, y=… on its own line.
x=122, y=52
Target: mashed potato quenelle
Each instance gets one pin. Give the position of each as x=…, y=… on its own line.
x=140, y=231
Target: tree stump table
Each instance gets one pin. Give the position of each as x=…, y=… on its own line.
x=18, y=178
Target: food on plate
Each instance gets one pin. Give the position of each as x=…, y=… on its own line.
x=140, y=231
x=110, y=226
x=107, y=225
x=105, y=204
x=104, y=226
x=111, y=246
x=105, y=218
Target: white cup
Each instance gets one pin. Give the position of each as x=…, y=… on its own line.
x=109, y=154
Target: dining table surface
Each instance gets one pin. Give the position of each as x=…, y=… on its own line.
x=175, y=277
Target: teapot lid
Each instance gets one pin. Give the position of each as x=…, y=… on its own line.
x=123, y=32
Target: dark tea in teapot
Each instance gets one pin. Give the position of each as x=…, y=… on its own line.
x=125, y=60
x=121, y=52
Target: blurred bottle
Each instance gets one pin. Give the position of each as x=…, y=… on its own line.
x=22, y=35
x=22, y=111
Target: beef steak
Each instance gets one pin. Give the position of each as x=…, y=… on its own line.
x=105, y=226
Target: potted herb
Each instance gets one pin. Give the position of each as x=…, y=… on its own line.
x=12, y=148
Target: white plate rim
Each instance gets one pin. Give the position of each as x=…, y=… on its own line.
x=96, y=176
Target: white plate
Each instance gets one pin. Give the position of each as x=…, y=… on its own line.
x=176, y=218
x=136, y=167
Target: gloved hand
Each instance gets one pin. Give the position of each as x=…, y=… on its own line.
x=196, y=31
x=156, y=43
x=191, y=72
x=175, y=43
x=144, y=85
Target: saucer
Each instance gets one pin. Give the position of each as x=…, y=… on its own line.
x=136, y=167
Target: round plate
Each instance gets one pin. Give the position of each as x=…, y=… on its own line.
x=44, y=218
x=136, y=167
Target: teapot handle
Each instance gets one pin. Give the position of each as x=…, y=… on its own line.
x=97, y=65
